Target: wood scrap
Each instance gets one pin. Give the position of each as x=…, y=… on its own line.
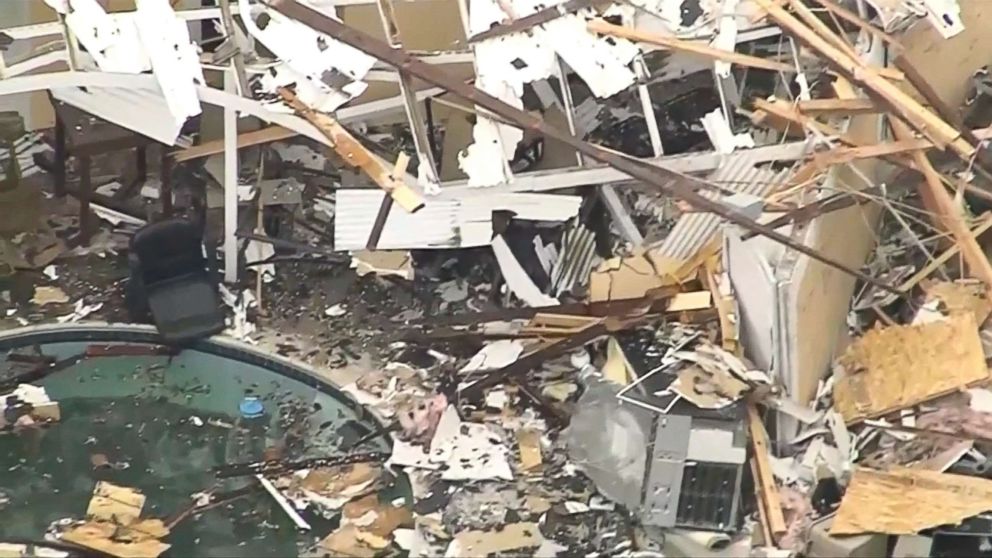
x=137, y=540
x=948, y=211
x=845, y=155
x=904, y=501
x=529, y=442
x=355, y=154
x=858, y=105
x=984, y=224
x=956, y=297
x=900, y=103
x=114, y=503
x=765, y=481
x=896, y=367
x=690, y=47
x=246, y=139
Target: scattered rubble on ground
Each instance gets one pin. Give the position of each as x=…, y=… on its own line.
x=650, y=278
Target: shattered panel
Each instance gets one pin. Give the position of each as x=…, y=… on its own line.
x=907, y=501
x=899, y=366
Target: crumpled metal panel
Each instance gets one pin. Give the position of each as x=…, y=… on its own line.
x=737, y=174
x=137, y=109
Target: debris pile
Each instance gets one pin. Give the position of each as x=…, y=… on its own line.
x=669, y=277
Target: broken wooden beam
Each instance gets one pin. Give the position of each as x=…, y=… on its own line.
x=765, y=480
x=688, y=47
x=674, y=183
x=838, y=106
x=853, y=18
x=277, y=467
x=948, y=211
x=842, y=155
x=539, y=17
x=355, y=154
x=246, y=139
x=900, y=103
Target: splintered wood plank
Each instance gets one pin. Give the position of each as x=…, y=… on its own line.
x=690, y=47
x=355, y=154
x=765, y=479
x=896, y=367
x=905, y=501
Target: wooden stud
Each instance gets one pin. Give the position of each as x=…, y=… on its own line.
x=690, y=47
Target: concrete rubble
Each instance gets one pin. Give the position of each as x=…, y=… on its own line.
x=645, y=278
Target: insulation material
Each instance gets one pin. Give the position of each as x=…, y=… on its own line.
x=896, y=367
x=327, y=72
x=174, y=59
x=905, y=501
x=442, y=223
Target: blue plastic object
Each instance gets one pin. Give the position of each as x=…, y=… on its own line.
x=251, y=407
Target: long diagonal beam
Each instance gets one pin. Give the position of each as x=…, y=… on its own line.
x=673, y=183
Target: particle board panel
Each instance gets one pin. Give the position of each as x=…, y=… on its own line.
x=905, y=501
x=896, y=367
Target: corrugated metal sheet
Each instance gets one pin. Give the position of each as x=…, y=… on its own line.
x=578, y=256
x=143, y=110
x=738, y=174
x=442, y=223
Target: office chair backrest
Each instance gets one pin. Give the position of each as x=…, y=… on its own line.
x=168, y=249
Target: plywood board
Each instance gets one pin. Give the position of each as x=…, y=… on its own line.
x=896, y=367
x=959, y=296
x=905, y=501
x=114, y=503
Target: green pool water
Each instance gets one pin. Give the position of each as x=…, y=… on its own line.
x=160, y=425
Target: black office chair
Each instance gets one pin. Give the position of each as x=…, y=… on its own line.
x=170, y=283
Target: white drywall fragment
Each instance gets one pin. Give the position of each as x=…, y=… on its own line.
x=174, y=59
x=726, y=35
x=602, y=62
x=327, y=72
x=945, y=16
x=494, y=355
x=721, y=136
x=111, y=39
x=516, y=278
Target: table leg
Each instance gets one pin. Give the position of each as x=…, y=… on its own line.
x=85, y=192
x=165, y=169
x=142, y=163
x=60, y=157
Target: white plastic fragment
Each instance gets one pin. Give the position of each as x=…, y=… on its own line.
x=721, y=136
x=944, y=16
x=494, y=355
